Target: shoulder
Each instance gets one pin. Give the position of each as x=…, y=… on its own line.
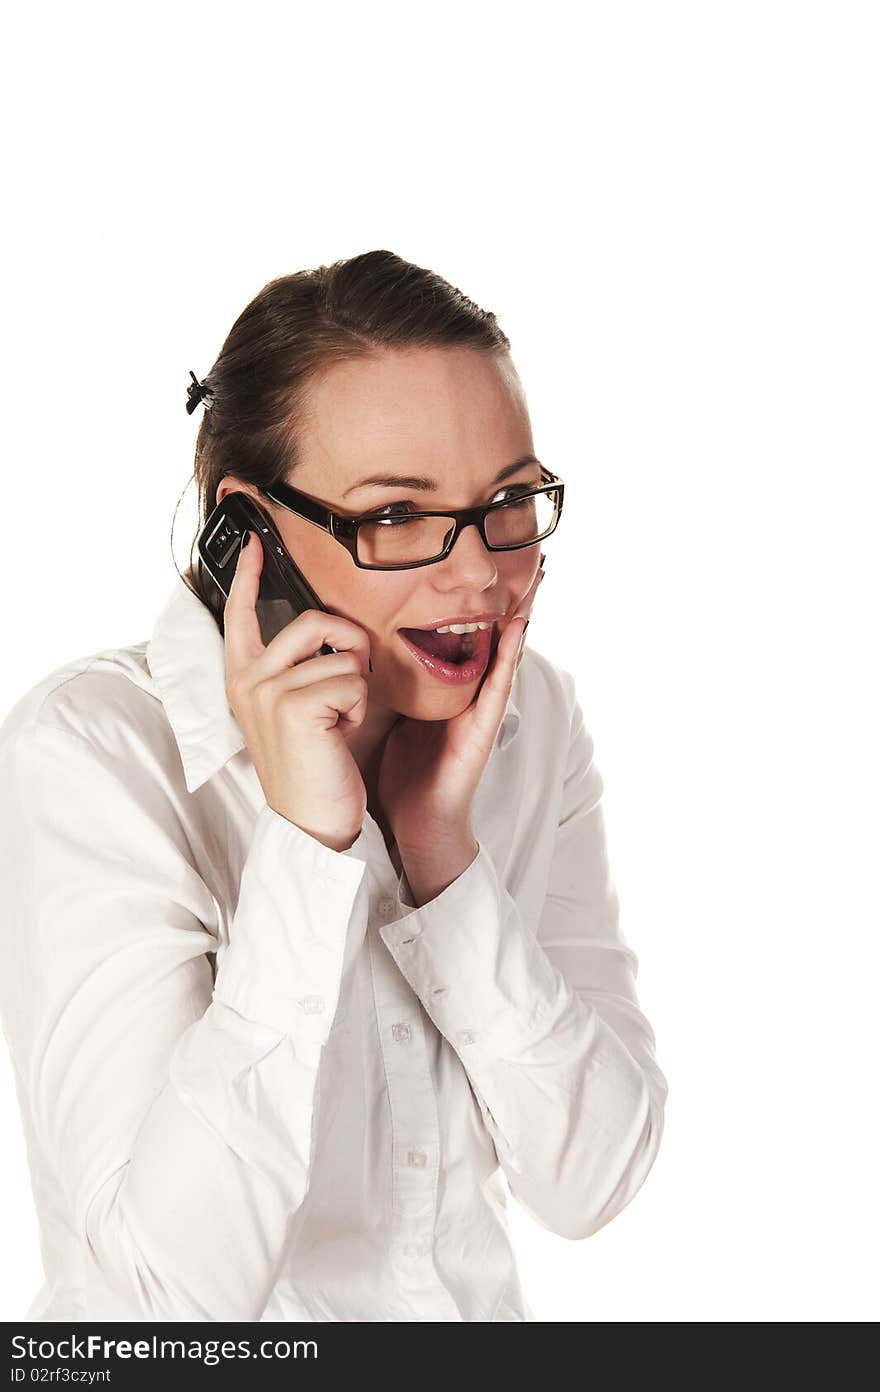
x=552, y=717
x=543, y=690
x=105, y=699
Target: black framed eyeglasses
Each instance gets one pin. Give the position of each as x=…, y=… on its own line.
x=398, y=537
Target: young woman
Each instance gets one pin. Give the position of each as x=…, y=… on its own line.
x=302, y=953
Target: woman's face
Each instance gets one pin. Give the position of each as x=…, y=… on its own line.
x=453, y=416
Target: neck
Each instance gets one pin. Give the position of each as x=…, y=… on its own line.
x=367, y=745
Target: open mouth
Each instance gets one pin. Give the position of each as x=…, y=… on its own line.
x=451, y=657
x=456, y=648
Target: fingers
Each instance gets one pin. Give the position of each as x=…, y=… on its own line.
x=297, y=641
x=495, y=689
x=524, y=611
x=524, y=608
x=522, y=643
x=244, y=641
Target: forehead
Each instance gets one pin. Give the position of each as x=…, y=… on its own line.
x=446, y=407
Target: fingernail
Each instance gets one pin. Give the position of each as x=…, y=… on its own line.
x=245, y=540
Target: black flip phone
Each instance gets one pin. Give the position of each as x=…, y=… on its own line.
x=284, y=591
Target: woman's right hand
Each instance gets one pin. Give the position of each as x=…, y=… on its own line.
x=295, y=709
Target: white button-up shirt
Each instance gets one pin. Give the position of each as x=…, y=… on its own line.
x=257, y=1082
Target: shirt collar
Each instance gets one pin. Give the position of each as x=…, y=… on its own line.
x=187, y=659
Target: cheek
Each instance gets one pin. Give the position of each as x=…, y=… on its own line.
x=342, y=586
x=376, y=605
x=518, y=571
x=382, y=605
x=320, y=559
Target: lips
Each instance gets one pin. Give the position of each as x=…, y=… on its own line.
x=462, y=670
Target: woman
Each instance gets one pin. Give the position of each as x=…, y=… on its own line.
x=303, y=952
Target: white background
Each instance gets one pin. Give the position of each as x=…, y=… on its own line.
x=673, y=210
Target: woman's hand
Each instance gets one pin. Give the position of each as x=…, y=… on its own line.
x=295, y=708
x=431, y=769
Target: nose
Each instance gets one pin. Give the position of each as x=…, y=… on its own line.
x=469, y=553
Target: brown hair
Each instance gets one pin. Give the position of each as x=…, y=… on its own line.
x=297, y=325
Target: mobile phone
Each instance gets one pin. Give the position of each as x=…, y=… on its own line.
x=284, y=590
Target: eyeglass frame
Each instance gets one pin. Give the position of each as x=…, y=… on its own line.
x=344, y=527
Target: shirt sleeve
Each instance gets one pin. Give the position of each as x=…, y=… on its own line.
x=545, y=1017
x=178, y=1114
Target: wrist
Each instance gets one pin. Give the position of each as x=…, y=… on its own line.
x=435, y=848
x=430, y=871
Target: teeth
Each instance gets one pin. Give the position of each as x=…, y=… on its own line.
x=462, y=628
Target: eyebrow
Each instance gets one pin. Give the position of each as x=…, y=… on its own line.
x=428, y=485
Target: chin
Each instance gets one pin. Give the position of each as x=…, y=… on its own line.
x=437, y=706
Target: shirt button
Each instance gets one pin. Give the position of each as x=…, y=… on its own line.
x=467, y=1037
x=312, y=1005
x=402, y=1032
x=417, y=1158
x=387, y=907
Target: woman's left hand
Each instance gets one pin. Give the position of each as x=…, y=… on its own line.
x=431, y=769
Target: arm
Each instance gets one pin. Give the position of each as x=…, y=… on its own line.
x=178, y=1114
x=544, y=1017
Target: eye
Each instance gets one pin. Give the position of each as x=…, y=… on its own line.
x=402, y=507
x=513, y=491
x=394, y=512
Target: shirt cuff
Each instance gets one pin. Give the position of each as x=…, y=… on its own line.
x=300, y=917
x=474, y=962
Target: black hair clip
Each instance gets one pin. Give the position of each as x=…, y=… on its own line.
x=196, y=392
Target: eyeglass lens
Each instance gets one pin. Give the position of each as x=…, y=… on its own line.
x=403, y=540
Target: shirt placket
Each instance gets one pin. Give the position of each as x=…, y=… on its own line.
x=415, y=1124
